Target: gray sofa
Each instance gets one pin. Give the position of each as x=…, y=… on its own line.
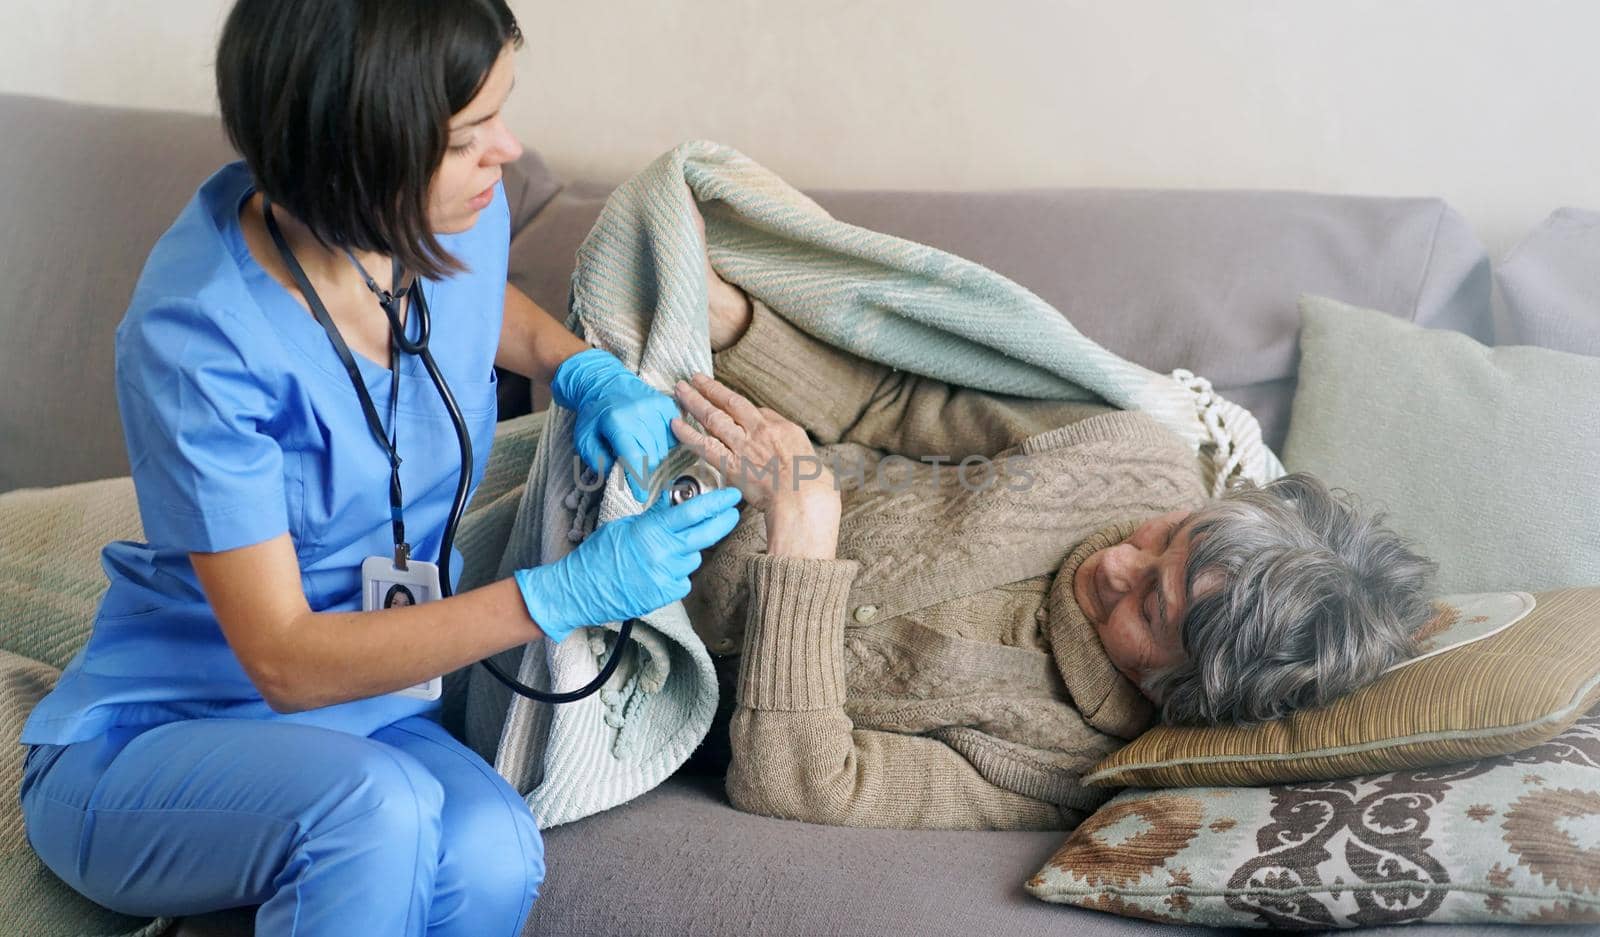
x=1204, y=280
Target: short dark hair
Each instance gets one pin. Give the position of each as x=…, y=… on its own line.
x=342, y=109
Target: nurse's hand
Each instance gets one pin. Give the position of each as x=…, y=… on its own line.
x=628, y=567
x=619, y=416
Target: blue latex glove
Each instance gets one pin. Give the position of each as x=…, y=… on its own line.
x=619, y=416
x=628, y=567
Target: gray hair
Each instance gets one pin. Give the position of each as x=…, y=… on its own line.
x=1315, y=600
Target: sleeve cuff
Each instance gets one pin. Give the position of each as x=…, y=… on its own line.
x=794, y=641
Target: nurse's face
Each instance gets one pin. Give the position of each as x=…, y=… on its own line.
x=480, y=143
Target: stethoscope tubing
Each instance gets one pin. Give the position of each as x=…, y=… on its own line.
x=463, y=482
x=419, y=347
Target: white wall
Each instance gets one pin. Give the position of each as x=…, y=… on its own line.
x=1488, y=103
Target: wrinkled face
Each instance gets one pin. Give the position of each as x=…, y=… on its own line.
x=1134, y=595
x=480, y=143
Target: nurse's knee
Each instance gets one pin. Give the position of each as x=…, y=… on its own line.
x=533, y=866
x=518, y=883
x=505, y=851
x=391, y=798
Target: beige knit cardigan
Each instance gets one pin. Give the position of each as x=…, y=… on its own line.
x=937, y=673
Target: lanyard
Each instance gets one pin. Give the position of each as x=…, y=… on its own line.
x=397, y=342
x=390, y=301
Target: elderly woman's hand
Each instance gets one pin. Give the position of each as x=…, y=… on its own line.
x=770, y=459
x=759, y=450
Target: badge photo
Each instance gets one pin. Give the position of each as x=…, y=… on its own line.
x=384, y=585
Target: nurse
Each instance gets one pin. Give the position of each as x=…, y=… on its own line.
x=237, y=729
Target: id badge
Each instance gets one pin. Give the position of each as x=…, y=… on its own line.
x=385, y=586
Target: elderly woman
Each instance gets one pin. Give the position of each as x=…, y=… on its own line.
x=929, y=651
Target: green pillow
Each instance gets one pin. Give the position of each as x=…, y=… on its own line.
x=1487, y=458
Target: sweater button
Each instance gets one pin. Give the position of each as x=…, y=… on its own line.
x=866, y=613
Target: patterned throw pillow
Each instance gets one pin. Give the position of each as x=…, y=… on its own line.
x=1510, y=839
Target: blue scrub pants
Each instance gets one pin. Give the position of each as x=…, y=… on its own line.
x=404, y=832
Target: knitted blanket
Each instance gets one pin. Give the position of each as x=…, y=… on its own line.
x=639, y=291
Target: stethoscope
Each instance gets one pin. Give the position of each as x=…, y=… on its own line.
x=390, y=301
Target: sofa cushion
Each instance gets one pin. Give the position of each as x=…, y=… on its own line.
x=50, y=576
x=680, y=860
x=1551, y=285
x=50, y=586
x=88, y=190
x=732, y=873
x=1484, y=457
x=1509, y=839
x=1505, y=692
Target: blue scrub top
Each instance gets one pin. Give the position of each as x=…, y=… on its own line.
x=241, y=424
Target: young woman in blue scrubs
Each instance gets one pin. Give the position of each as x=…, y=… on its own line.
x=231, y=734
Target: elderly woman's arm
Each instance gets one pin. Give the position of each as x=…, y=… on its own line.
x=841, y=397
x=796, y=753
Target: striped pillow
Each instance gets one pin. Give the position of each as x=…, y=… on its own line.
x=1518, y=670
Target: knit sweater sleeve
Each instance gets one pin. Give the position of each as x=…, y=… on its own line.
x=795, y=752
x=841, y=397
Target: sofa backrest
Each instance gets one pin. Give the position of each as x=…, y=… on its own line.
x=1206, y=280
x=86, y=192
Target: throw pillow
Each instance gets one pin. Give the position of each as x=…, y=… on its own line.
x=1486, y=458
x=50, y=576
x=1519, y=670
x=1509, y=839
x=30, y=892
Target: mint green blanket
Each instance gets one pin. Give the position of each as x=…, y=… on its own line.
x=639, y=291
